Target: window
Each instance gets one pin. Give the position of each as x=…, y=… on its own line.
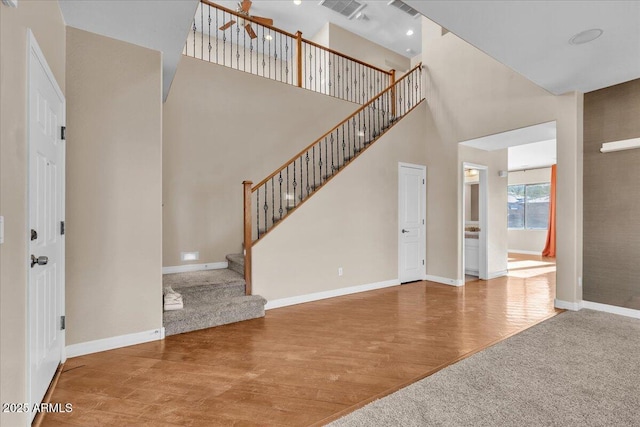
x=528, y=206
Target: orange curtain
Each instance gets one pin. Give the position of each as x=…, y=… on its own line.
x=550, y=247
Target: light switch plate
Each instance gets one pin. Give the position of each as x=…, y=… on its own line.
x=10, y=3
x=1, y=230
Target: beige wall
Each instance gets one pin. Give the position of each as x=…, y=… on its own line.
x=530, y=176
x=351, y=223
x=471, y=95
x=528, y=240
x=114, y=188
x=611, y=198
x=321, y=37
x=45, y=20
x=222, y=127
x=496, y=229
x=365, y=50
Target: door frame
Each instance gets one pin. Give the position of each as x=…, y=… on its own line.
x=33, y=47
x=483, y=204
x=423, y=208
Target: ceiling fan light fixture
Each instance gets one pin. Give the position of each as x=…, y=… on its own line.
x=586, y=36
x=268, y=37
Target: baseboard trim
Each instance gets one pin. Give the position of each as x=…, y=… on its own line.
x=444, y=280
x=566, y=305
x=497, y=274
x=300, y=299
x=104, y=344
x=194, y=267
x=518, y=251
x=614, y=309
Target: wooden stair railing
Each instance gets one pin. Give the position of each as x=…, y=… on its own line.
x=281, y=56
x=293, y=183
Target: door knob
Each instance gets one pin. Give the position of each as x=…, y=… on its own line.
x=405, y=231
x=41, y=260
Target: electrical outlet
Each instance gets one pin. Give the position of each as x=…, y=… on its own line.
x=339, y=271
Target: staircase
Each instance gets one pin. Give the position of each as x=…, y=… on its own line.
x=211, y=298
x=270, y=201
x=218, y=297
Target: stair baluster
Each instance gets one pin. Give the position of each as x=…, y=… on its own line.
x=247, y=44
x=366, y=125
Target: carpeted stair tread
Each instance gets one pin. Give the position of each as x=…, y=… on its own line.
x=211, y=298
x=236, y=263
x=195, y=281
x=200, y=314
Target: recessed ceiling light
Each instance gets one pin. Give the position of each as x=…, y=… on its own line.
x=410, y=32
x=586, y=36
x=268, y=37
x=297, y=2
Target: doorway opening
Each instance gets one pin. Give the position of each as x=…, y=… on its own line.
x=474, y=203
x=518, y=198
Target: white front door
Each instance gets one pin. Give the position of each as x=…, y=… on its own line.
x=46, y=213
x=411, y=222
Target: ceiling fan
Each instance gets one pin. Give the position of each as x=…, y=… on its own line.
x=243, y=9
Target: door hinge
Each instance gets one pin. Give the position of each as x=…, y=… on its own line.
x=422, y=262
x=423, y=181
x=62, y=323
x=63, y=133
x=62, y=228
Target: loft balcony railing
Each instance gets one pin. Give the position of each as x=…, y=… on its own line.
x=270, y=201
x=279, y=55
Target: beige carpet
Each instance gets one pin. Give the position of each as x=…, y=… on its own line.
x=576, y=369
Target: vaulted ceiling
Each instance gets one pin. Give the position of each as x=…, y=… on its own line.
x=159, y=25
x=531, y=37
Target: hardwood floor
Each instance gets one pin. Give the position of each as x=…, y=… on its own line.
x=304, y=364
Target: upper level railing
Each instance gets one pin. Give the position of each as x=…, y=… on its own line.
x=273, y=198
x=252, y=46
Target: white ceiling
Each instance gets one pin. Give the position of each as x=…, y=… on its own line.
x=532, y=156
x=526, y=135
x=159, y=25
x=386, y=25
x=532, y=37
x=529, y=147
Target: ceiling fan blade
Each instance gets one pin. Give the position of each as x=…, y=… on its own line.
x=263, y=21
x=250, y=31
x=227, y=25
x=245, y=5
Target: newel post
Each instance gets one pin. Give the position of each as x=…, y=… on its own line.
x=392, y=77
x=247, y=235
x=299, y=57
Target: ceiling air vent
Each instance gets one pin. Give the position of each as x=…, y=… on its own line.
x=348, y=8
x=404, y=7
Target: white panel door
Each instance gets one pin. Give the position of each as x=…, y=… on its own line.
x=411, y=222
x=46, y=210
